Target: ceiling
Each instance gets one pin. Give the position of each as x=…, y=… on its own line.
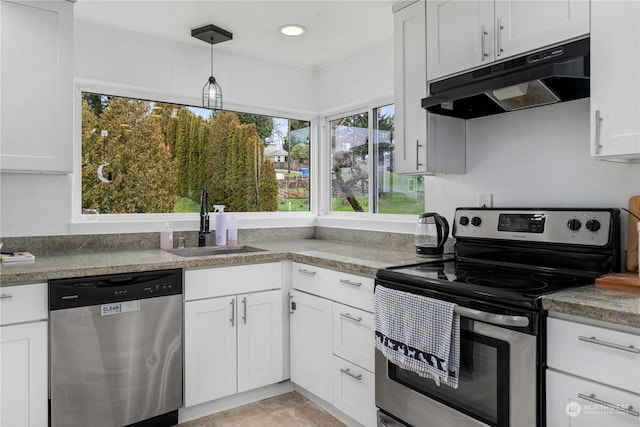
x=336, y=29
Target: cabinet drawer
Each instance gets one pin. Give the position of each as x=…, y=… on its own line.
x=576, y=402
x=353, y=337
x=345, y=288
x=354, y=391
x=596, y=353
x=23, y=303
x=221, y=281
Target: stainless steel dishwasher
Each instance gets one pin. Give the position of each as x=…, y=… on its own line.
x=116, y=349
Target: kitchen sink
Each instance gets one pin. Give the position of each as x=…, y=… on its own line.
x=214, y=250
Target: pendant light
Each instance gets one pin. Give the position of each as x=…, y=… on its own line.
x=211, y=92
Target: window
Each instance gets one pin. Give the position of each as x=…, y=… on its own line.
x=364, y=183
x=143, y=156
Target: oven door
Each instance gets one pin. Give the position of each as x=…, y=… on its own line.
x=497, y=383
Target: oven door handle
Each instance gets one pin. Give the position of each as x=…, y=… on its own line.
x=494, y=319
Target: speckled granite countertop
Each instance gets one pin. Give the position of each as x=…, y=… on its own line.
x=597, y=303
x=351, y=258
x=592, y=302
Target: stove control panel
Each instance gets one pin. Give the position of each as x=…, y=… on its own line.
x=567, y=226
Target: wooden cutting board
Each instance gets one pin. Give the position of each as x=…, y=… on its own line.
x=626, y=281
x=632, y=246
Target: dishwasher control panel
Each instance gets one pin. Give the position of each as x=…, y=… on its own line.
x=98, y=290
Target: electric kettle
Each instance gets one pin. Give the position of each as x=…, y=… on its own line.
x=432, y=231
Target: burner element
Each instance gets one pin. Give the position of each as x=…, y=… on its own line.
x=505, y=281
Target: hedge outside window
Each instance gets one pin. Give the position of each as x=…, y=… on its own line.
x=142, y=156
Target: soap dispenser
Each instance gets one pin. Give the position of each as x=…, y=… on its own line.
x=221, y=225
x=166, y=237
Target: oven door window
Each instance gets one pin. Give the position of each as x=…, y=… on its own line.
x=483, y=386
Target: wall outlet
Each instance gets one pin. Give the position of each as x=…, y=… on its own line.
x=485, y=200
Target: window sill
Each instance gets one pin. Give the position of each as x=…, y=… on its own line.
x=146, y=223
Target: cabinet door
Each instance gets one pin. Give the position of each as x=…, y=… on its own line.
x=576, y=402
x=37, y=77
x=311, y=354
x=410, y=87
x=259, y=339
x=23, y=375
x=210, y=349
x=423, y=143
x=615, y=67
x=460, y=36
x=522, y=26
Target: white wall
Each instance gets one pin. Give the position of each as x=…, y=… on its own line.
x=353, y=82
x=180, y=70
x=537, y=157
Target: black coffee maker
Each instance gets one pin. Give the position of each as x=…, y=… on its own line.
x=432, y=231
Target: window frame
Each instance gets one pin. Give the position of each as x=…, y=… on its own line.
x=81, y=223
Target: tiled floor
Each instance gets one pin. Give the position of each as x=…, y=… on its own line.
x=286, y=410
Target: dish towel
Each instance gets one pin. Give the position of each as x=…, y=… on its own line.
x=418, y=334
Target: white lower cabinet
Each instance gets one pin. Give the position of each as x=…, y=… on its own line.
x=233, y=343
x=577, y=402
x=23, y=356
x=593, y=377
x=311, y=347
x=210, y=350
x=354, y=391
x=353, y=335
x=332, y=339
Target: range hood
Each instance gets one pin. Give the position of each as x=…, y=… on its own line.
x=556, y=74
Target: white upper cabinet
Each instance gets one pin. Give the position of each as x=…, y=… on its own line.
x=424, y=143
x=36, y=91
x=615, y=81
x=465, y=34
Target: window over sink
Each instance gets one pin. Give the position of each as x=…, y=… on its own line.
x=144, y=156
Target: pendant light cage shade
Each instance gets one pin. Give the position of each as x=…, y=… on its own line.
x=212, y=95
x=211, y=92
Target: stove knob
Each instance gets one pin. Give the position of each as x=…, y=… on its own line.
x=464, y=220
x=593, y=225
x=476, y=221
x=574, y=224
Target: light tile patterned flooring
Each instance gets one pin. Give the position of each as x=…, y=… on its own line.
x=287, y=410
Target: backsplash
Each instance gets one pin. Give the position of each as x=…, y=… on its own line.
x=47, y=245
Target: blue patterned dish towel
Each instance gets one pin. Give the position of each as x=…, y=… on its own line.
x=418, y=334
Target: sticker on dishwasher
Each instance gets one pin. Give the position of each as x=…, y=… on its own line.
x=119, y=307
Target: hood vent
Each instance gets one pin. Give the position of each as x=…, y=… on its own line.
x=552, y=75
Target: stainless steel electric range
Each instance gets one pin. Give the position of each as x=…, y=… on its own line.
x=504, y=260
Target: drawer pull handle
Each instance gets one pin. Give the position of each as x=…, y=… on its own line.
x=348, y=372
x=307, y=272
x=350, y=317
x=6, y=296
x=594, y=340
x=350, y=283
x=620, y=408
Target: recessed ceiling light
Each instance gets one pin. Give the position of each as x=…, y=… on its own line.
x=292, y=30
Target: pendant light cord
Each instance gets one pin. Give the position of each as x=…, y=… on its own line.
x=211, y=56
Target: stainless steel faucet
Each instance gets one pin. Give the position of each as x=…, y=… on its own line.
x=204, y=217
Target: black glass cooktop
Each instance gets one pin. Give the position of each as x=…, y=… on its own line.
x=482, y=280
